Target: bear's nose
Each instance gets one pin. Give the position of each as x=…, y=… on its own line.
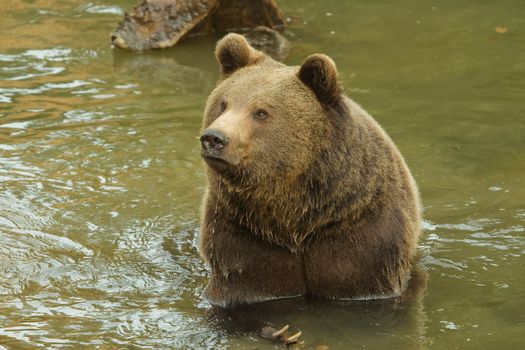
x=213, y=139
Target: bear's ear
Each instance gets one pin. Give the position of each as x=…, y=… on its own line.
x=234, y=52
x=319, y=73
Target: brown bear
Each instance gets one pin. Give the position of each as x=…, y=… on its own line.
x=307, y=195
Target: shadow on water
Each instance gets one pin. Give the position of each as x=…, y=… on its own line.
x=398, y=322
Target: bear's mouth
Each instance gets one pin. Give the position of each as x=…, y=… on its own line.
x=216, y=163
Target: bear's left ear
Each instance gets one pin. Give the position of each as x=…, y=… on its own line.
x=234, y=52
x=319, y=73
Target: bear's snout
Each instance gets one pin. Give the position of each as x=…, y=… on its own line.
x=213, y=140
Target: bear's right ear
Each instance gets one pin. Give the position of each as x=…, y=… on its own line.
x=319, y=73
x=234, y=52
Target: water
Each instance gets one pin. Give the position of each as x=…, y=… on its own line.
x=101, y=180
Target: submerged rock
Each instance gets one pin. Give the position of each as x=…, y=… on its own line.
x=157, y=24
x=268, y=41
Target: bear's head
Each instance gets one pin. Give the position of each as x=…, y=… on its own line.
x=267, y=122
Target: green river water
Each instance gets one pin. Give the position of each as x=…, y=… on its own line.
x=101, y=179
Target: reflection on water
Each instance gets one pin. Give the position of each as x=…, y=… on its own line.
x=101, y=180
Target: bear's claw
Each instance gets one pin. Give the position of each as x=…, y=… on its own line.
x=293, y=338
x=280, y=334
x=280, y=331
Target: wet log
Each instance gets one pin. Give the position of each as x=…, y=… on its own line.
x=157, y=24
x=242, y=15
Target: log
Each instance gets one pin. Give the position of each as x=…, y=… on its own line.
x=158, y=24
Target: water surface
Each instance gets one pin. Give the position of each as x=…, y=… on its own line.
x=101, y=179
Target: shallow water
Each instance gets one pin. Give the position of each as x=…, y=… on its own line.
x=101, y=180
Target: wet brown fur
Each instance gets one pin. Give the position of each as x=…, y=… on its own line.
x=315, y=200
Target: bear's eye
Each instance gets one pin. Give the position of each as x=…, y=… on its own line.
x=260, y=114
x=222, y=107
